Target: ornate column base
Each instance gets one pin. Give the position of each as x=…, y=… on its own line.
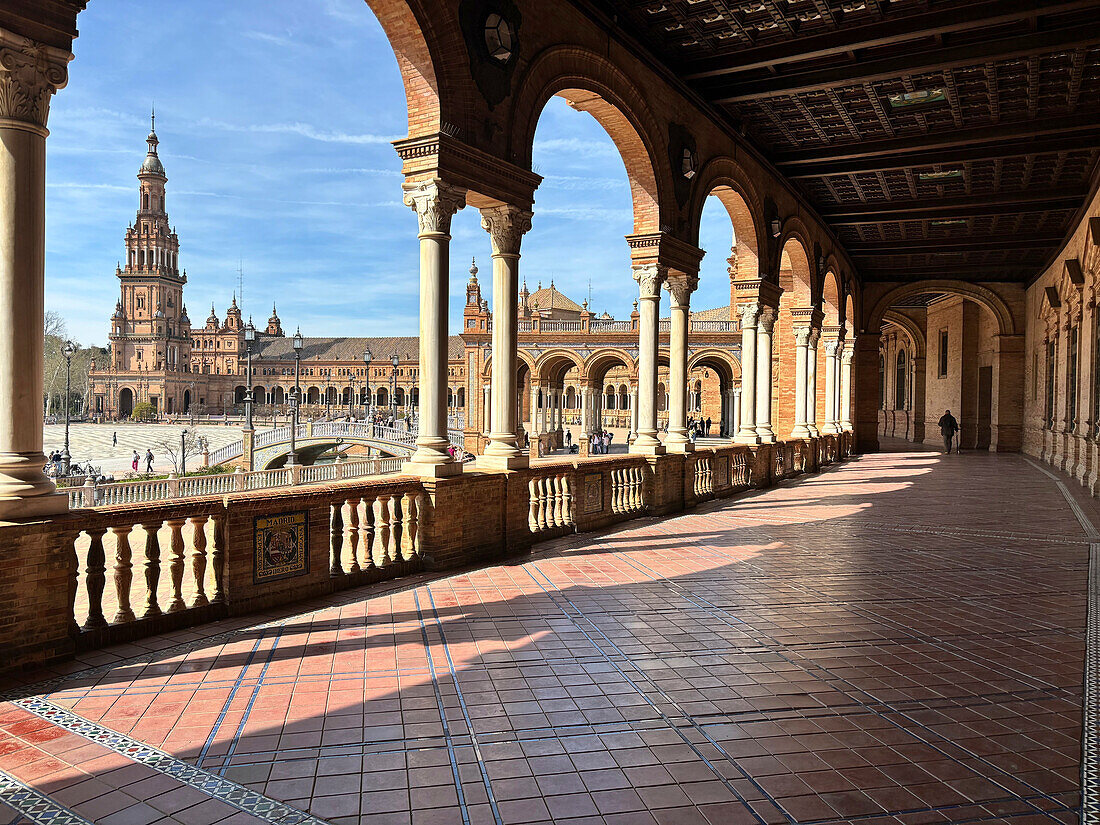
x=647, y=445
x=766, y=435
x=25, y=492
x=800, y=431
x=747, y=437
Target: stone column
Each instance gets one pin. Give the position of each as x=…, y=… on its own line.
x=828, y=426
x=764, y=326
x=534, y=409
x=679, y=290
x=801, y=342
x=811, y=382
x=434, y=203
x=633, y=414
x=746, y=433
x=30, y=73
x=487, y=407
x=585, y=395
x=649, y=278
x=846, y=385
x=506, y=226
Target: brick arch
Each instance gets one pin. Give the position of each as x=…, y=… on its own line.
x=724, y=178
x=522, y=360
x=424, y=73
x=795, y=247
x=909, y=327
x=603, y=360
x=831, y=297
x=979, y=294
x=719, y=360
x=848, y=318
x=549, y=364
x=591, y=83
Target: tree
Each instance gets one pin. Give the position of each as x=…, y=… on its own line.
x=144, y=411
x=56, y=337
x=187, y=445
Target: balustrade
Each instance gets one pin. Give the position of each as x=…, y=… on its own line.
x=551, y=502
x=173, y=539
x=628, y=490
x=704, y=477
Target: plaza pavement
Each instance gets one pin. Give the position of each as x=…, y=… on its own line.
x=899, y=639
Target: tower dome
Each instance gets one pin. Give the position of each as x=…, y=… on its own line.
x=152, y=165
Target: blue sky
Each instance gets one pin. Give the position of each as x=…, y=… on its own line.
x=275, y=119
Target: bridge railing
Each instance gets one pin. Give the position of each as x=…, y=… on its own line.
x=167, y=489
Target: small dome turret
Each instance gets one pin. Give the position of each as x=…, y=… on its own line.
x=152, y=165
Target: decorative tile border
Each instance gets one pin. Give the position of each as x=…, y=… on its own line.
x=1090, y=734
x=35, y=806
x=241, y=798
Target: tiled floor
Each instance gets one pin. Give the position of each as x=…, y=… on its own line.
x=899, y=639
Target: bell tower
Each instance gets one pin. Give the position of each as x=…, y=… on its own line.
x=150, y=329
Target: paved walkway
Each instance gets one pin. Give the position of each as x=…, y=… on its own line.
x=899, y=639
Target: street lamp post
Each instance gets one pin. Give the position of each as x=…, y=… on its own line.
x=249, y=338
x=351, y=397
x=393, y=387
x=68, y=351
x=296, y=399
x=183, y=452
x=366, y=381
x=191, y=403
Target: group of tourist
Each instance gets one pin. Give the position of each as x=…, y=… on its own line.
x=699, y=427
x=599, y=442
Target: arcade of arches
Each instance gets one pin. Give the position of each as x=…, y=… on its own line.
x=914, y=228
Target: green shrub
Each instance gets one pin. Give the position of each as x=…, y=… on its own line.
x=144, y=411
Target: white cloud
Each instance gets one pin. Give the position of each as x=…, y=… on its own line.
x=299, y=128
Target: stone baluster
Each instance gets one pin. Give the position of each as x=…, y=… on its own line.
x=383, y=531
x=175, y=565
x=533, y=505
x=198, y=559
x=217, y=558
x=409, y=546
x=123, y=573
x=96, y=578
x=336, y=540
x=351, y=536
x=152, y=569
x=366, y=533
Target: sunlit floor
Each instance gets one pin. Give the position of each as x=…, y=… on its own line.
x=899, y=639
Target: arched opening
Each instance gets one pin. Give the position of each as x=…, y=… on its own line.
x=727, y=232
x=125, y=402
x=187, y=401
x=795, y=304
x=950, y=334
x=239, y=393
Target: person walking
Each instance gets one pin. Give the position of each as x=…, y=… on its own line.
x=114, y=439
x=134, y=462
x=149, y=461
x=568, y=439
x=948, y=427
x=706, y=429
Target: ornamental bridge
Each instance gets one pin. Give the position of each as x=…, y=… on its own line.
x=269, y=449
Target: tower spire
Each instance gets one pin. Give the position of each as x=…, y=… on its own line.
x=153, y=118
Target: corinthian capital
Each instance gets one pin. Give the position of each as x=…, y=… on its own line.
x=434, y=203
x=849, y=351
x=30, y=72
x=767, y=318
x=831, y=348
x=815, y=336
x=680, y=288
x=506, y=226
x=749, y=314
x=649, y=278
x=801, y=336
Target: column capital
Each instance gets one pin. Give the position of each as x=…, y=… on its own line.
x=680, y=288
x=815, y=336
x=801, y=336
x=767, y=318
x=650, y=276
x=434, y=203
x=30, y=73
x=831, y=348
x=506, y=225
x=749, y=313
x=849, y=351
